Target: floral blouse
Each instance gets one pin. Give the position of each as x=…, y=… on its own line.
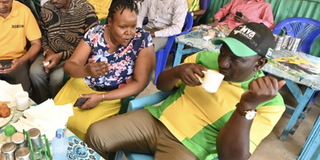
x=121, y=62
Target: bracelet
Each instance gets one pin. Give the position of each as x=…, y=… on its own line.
x=102, y=97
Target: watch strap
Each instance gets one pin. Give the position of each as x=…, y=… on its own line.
x=242, y=112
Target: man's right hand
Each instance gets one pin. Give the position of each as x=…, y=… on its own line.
x=187, y=73
x=214, y=23
x=53, y=59
x=97, y=69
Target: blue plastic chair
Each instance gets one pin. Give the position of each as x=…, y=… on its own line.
x=137, y=104
x=305, y=28
x=162, y=55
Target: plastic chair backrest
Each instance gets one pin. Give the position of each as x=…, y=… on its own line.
x=125, y=101
x=162, y=54
x=305, y=28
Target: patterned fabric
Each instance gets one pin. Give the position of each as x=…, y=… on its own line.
x=63, y=31
x=79, y=150
x=202, y=114
x=256, y=10
x=121, y=61
x=166, y=15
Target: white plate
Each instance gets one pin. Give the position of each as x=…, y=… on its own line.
x=4, y=121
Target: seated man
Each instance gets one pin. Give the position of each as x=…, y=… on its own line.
x=166, y=18
x=252, y=11
x=195, y=124
x=63, y=23
x=198, y=7
x=17, y=26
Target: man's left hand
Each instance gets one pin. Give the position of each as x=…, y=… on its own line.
x=261, y=90
x=53, y=59
x=14, y=64
x=242, y=19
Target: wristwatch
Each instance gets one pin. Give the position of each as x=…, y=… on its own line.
x=192, y=14
x=248, y=114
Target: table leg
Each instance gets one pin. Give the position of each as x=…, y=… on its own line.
x=181, y=51
x=311, y=147
x=303, y=100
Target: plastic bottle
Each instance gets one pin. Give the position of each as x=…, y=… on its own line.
x=60, y=146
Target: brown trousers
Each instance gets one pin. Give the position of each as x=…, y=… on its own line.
x=139, y=132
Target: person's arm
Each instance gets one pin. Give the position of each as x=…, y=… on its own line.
x=33, y=34
x=91, y=18
x=233, y=140
x=186, y=72
x=203, y=7
x=178, y=18
x=224, y=10
x=142, y=13
x=44, y=30
x=75, y=66
x=32, y=52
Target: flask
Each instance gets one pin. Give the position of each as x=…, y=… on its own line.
x=60, y=145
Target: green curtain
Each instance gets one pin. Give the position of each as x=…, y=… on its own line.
x=283, y=9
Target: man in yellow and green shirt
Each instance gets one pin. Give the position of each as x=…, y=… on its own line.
x=195, y=124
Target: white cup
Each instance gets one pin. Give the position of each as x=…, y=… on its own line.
x=212, y=81
x=22, y=100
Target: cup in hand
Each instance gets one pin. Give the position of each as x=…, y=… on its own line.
x=22, y=100
x=211, y=81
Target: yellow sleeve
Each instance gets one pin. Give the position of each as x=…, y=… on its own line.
x=31, y=26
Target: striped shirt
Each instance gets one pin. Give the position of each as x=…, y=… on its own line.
x=63, y=31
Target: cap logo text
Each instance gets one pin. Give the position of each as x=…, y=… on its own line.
x=244, y=31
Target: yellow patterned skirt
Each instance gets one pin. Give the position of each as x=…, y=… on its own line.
x=82, y=119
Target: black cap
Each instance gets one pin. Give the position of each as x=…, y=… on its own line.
x=249, y=39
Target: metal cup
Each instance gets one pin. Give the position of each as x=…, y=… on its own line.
x=7, y=151
x=19, y=139
x=23, y=153
x=36, y=141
